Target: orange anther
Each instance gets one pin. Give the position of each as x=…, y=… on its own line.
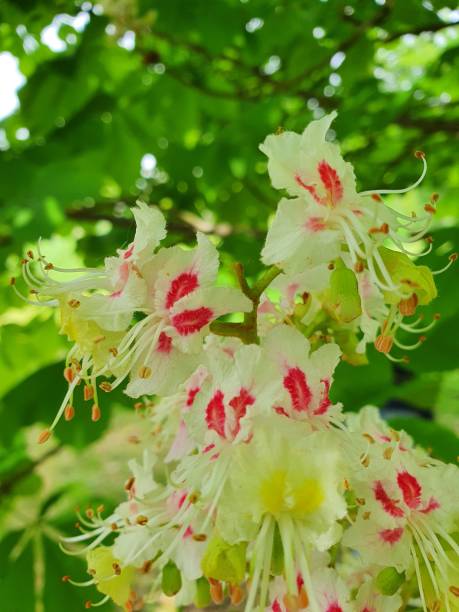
x=69, y=412
x=95, y=413
x=44, y=436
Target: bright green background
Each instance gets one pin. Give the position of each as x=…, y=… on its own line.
x=206, y=81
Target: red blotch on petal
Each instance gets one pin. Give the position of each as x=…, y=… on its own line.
x=127, y=254
x=297, y=386
x=389, y=505
x=431, y=506
x=276, y=607
x=191, y=321
x=330, y=181
x=310, y=188
x=281, y=411
x=239, y=403
x=188, y=533
x=123, y=277
x=164, y=344
x=315, y=224
x=182, y=285
x=191, y=395
x=325, y=402
x=334, y=607
x=410, y=488
x=391, y=536
x=215, y=414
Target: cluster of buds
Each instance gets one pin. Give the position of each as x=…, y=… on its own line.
x=272, y=496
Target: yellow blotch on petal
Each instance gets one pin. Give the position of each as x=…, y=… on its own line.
x=111, y=579
x=281, y=493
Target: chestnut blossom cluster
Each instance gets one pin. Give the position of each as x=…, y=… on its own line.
x=255, y=488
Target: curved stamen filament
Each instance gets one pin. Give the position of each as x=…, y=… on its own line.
x=405, y=189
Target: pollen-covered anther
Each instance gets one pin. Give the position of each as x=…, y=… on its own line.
x=193, y=498
x=100, y=509
x=366, y=516
x=145, y=372
x=12, y=281
x=437, y=316
x=407, y=307
x=44, y=436
x=141, y=519
x=88, y=604
x=331, y=266
x=69, y=374
x=89, y=513
x=116, y=568
x=74, y=303
x=435, y=197
x=129, y=484
x=419, y=154
x=382, y=229
x=365, y=460
x=388, y=452
x=30, y=254
x=454, y=590
x=49, y=266
x=383, y=343
x=453, y=257
x=216, y=591
x=236, y=594
x=199, y=537
x=105, y=386
x=422, y=338
x=359, y=267
x=291, y=602
x=99, y=339
x=376, y=197
x=95, y=413
x=360, y=501
x=430, y=209
x=146, y=567
x=369, y=437
x=69, y=412
x=113, y=350
x=88, y=393
x=65, y=578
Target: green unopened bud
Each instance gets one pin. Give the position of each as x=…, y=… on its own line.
x=171, y=579
x=342, y=299
x=388, y=581
x=202, y=597
x=408, y=277
x=223, y=561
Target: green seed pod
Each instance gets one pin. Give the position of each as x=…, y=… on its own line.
x=171, y=580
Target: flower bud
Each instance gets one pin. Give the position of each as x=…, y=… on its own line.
x=171, y=579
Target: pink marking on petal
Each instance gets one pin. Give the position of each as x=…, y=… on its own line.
x=389, y=505
x=432, y=505
x=181, y=285
x=330, y=181
x=208, y=448
x=164, y=344
x=391, y=536
x=127, y=254
x=310, y=188
x=123, y=276
x=410, y=488
x=325, y=402
x=315, y=224
x=240, y=403
x=191, y=395
x=334, y=607
x=297, y=386
x=191, y=321
x=188, y=533
x=215, y=414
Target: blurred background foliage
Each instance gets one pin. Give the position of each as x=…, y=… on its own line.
x=168, y=100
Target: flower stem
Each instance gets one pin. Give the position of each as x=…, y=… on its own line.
x=247, y=330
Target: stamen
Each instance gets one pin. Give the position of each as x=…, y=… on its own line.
x=419, y=155
x=452, y=258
